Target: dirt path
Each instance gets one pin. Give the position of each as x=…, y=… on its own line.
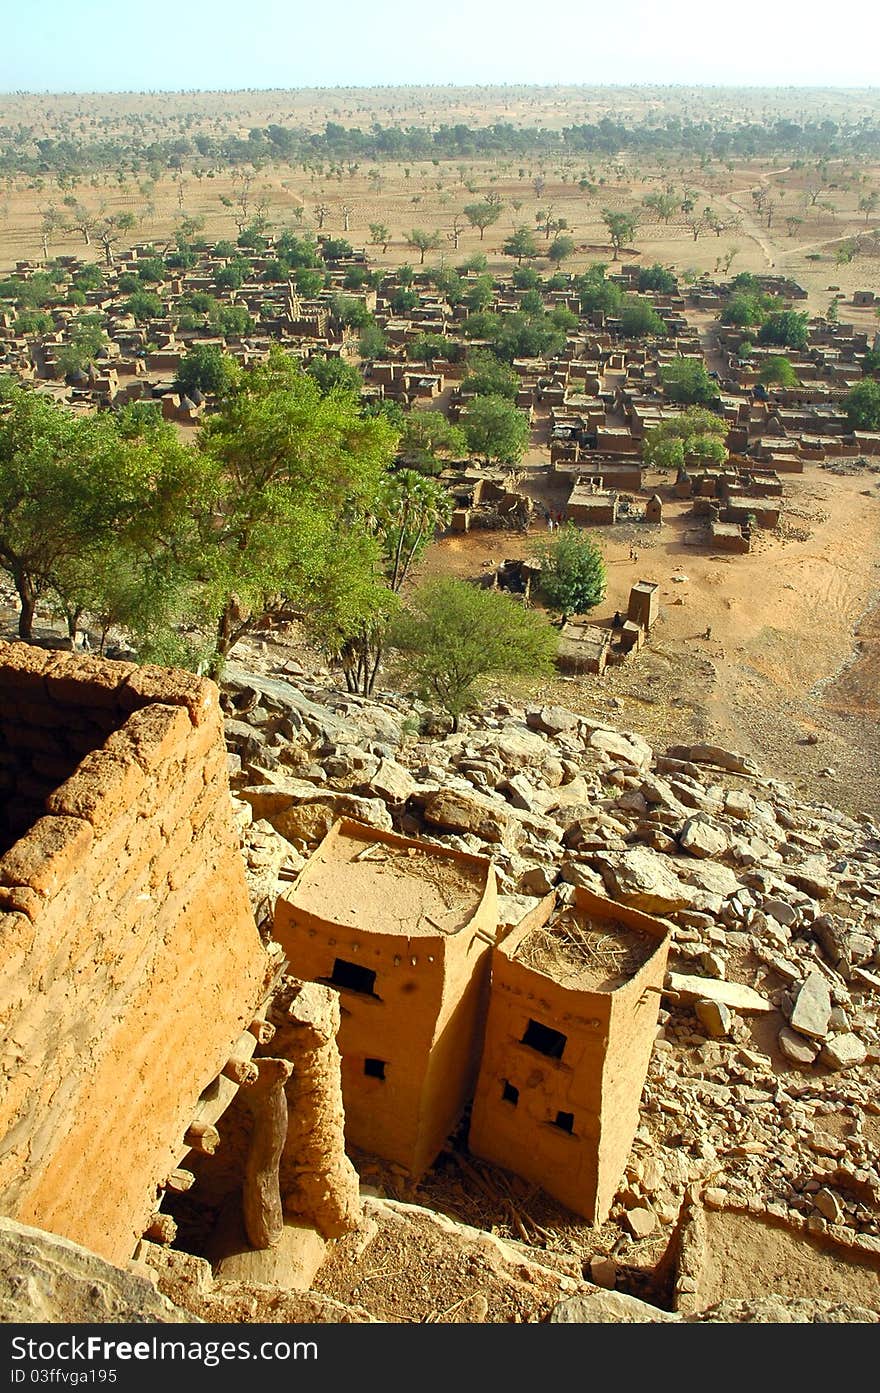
x=795, y=645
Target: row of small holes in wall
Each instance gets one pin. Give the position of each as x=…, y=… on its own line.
x=356, y=948
x=563, y=1120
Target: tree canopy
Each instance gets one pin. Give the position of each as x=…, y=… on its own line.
x=691, y=432
x=862, y=404
x=452, y=636
x=686, y=380
x=573, y=574
x=495, y=430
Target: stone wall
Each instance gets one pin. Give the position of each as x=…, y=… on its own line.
x=130, y=961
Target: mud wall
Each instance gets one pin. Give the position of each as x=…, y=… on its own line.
x=423, y=1021
x=129, y=959
x=594, y=1087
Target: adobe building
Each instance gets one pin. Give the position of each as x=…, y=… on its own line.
x=583, y=647
x=573, y=1010
x=644, y=603
x=590, y=506
x=402, y=929
x=130, y=963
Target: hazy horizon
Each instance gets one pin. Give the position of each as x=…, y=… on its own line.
x=211, y=47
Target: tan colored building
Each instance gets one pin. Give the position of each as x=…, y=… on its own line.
x=572, y=1017
x=644, y=603
x=402, y=929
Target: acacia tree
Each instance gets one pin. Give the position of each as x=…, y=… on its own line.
x=695, y=431
x=453, y=635
x=52, y=222
x=521, y=244
x=357, y=596
x=294, y=470
x=380, y=235
x=621, y=228
x=76, y=489
x=423, y=241
x=482, y=214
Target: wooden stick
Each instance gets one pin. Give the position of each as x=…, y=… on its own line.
x=263, y=1031
x=202, y=1137
x=179, y=1181
x=241, y=1071
x=261, y=1190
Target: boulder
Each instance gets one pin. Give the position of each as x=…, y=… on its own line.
x=715, y=1018
x=813, y=876
x=391, y=782
x=625, y=748
x=609, y=1308
x=47, y=1279
x=740, y=998
x=552, y=720
x=644, y=879
x=713, y=754
x=701, y=838
x=487, y=819
x=843, y=1052
x=796, y=1048
x=812, y=1009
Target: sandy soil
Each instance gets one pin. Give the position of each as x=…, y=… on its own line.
x=745, y=1257
x=794, y=624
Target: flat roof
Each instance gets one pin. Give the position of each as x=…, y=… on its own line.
x=380, y=883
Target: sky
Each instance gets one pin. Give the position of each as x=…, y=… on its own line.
x=100, y=46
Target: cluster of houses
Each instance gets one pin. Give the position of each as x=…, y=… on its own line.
x=597, y=397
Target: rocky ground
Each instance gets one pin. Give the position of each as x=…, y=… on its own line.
x=762, y=1087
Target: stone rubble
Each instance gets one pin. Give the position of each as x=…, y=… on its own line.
x=763, y=1082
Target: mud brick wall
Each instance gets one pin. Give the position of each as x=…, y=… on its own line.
x=129, y=959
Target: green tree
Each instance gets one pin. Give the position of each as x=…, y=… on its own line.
x=336, y=249
x=488, y=376
x=85, y=343
x=423, y=241
x=638, y=318
x=479, y=295
x=496, y=430
x=745, y=308
x=296, y=473
x=144, y=305
x=685, y=380
x=573, y=575
x=357, y=605
x=691, y=432
x=621, y=229
x=209, y=369
x=351, y=312
x=453, y=636
x=334, y=375
x=482, y=214
x=231, y=276
x=862, y=405
x=372, y=342
x=597, y=293
x=427, y=439
x=521, y=244
x=379, y=235
x=75, y=488
x=785, y=329
x=233, y=320
x=657, y=278
x=665, y=206
x=777, y=372
x=560, y=249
